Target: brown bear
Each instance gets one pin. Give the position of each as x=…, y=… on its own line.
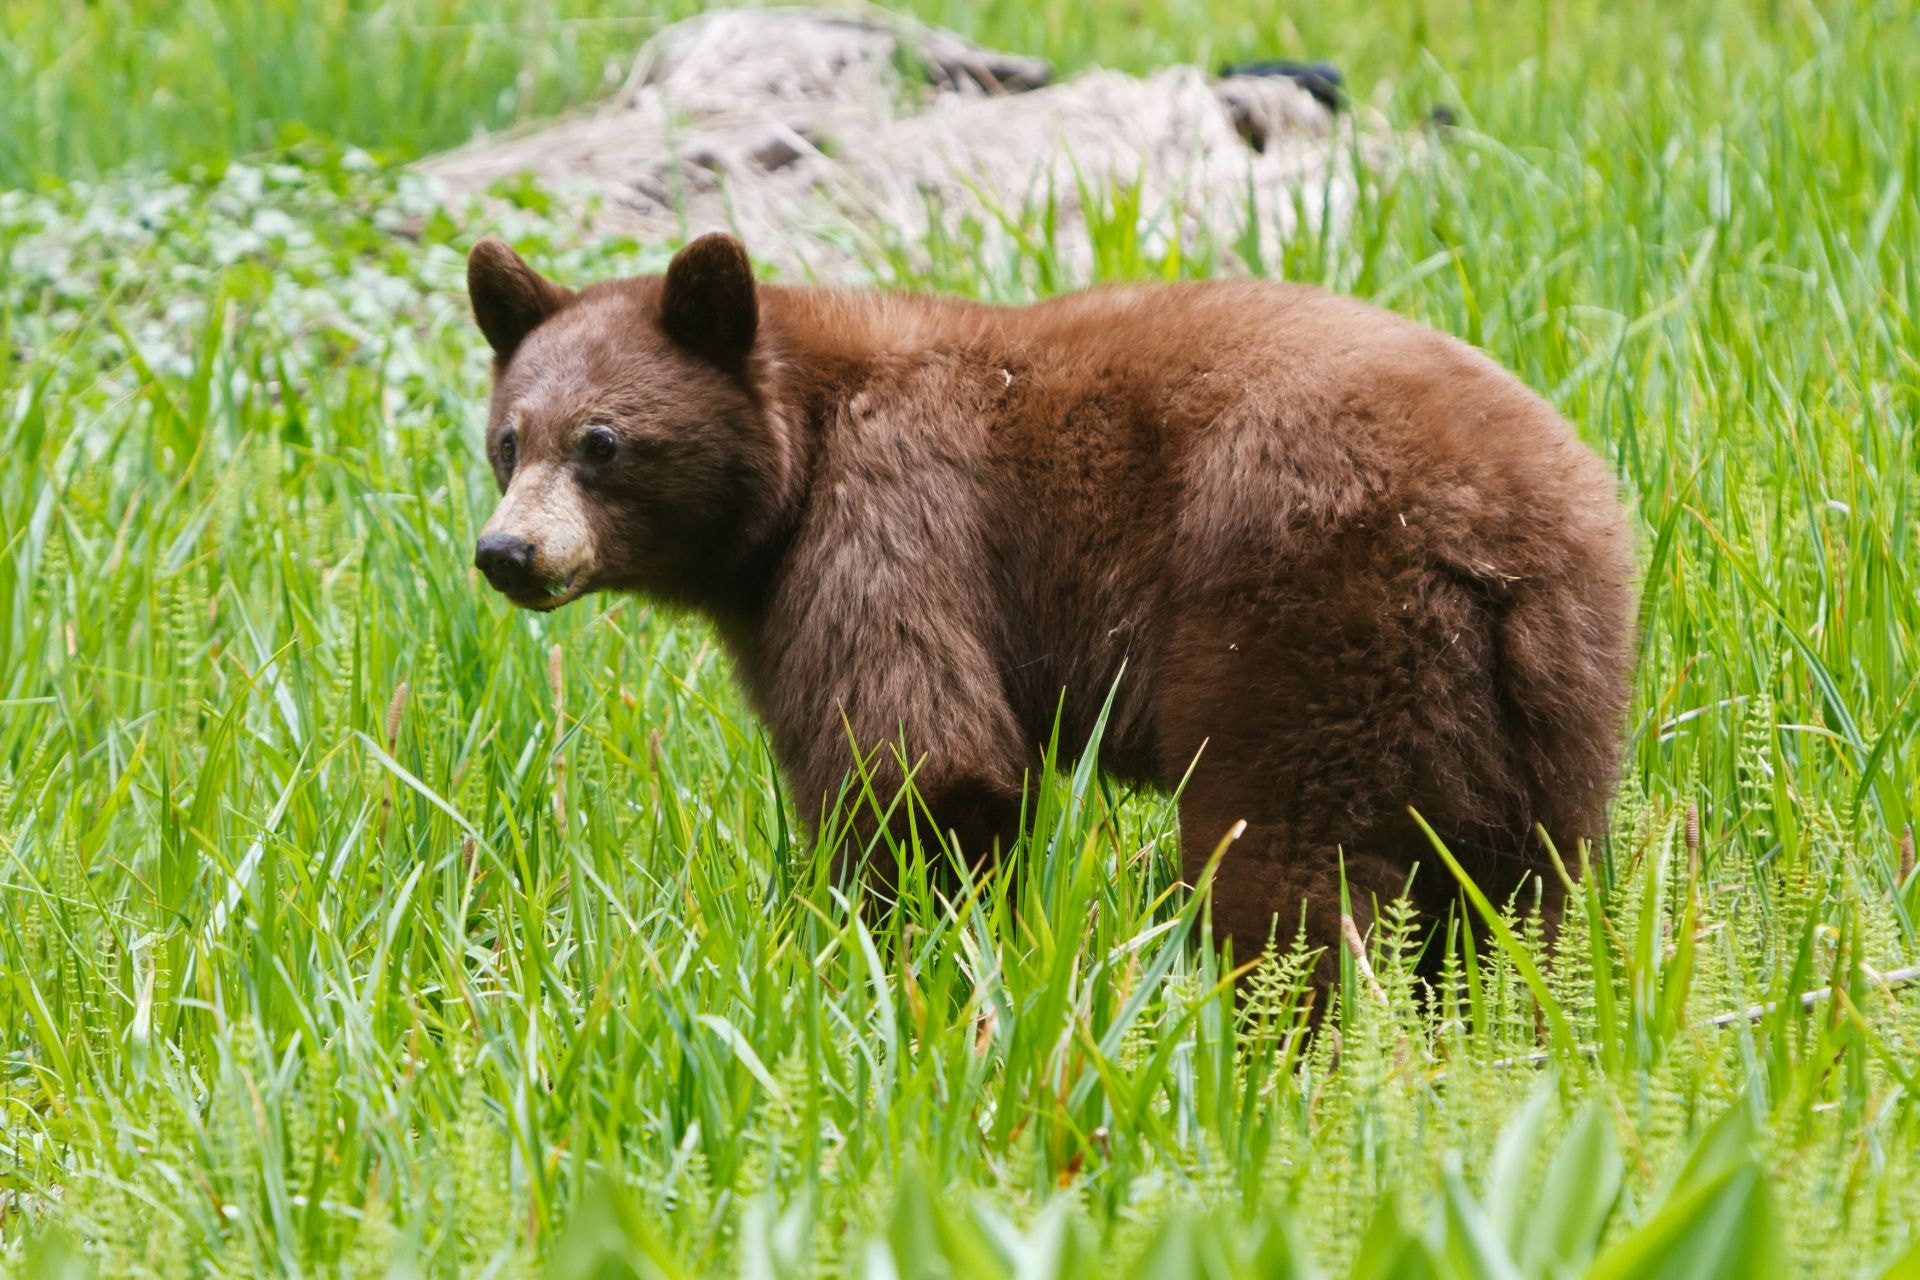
x=1349, y=565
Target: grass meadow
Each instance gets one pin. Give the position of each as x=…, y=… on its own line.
x=352, y=923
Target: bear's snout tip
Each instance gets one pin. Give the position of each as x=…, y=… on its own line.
x=525, y=574
x=507, y=561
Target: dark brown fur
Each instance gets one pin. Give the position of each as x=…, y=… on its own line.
x=1351, y=565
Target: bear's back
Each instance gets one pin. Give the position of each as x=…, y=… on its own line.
x=1281, y=394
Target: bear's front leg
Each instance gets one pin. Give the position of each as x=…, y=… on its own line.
x=973, y=815
x=877, y=659
x=946, y=776
x=851, y=735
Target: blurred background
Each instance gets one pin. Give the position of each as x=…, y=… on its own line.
x=92, y=88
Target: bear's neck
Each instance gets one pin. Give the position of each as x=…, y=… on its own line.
x=824, y=345
x=818, y=349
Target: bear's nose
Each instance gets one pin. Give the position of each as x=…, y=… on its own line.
x=506, y=560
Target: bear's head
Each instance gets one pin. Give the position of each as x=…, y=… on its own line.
x=630, y=432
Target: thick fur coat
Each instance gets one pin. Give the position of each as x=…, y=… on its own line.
x=1348, y=564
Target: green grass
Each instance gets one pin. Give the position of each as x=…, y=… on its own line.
x=350, y=922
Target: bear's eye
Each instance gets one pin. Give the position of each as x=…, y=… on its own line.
x=599, y=444
x=507, y=450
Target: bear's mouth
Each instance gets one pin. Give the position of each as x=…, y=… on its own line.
x=553, y=595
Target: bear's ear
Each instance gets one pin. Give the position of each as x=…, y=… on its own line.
x=707, y=302
x=509, y=298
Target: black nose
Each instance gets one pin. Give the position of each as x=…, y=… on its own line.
x=506, y=560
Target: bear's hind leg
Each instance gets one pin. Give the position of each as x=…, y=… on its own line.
x=1318, y=709
x=1273, y=885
